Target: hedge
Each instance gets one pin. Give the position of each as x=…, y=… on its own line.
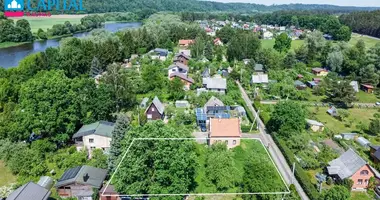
x=299, y=172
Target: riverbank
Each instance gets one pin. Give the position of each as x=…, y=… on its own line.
x=47, y=22
x=11, y=44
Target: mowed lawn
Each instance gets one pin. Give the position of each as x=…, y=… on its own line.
x=270, y=43
x=369, y=42
x=364, y=97
x=360, y=196
x=357, y=116
x=48, y=22
x=6, y=176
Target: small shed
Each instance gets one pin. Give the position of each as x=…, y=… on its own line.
x=315, y=126
x=333, y=111
x=367, y=88
x=348, y=136
x=182, y=104
x=240, y=110
x=363, y=142
x=311, y=84
x=144, y=102
x=299, y=85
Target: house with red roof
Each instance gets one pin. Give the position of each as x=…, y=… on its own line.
x=185, y=43
x=225, y=130
x=367, y=88
x=218, y=42
x=187, y=81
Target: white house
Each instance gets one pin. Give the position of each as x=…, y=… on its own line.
x=268, y=35
x=97, y=135
x=178, y=67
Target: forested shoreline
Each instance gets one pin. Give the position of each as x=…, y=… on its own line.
x=366, y=23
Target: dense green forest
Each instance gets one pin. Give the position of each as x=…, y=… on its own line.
x=363, y=22
x=100, y=6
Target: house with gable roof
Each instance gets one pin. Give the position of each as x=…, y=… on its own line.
x=225, y=130
x=375, y=153
x=30, y=191
x=187, y=81
x=182, y=58
x=215, y=84
x=178, y=67
x=350, y=165
x=97, y=135
x=156, y=110
x=80, y=181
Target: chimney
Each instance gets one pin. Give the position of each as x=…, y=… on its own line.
x=86, y=177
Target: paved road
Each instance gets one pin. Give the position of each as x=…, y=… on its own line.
x=275, y=152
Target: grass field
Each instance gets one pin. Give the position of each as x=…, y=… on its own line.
x=270, y=43
x=48, y=22
x=369, y=42
x=10, y=44
x=364, y=97
x=356, y=116
x=359, y=196
x=6, y=176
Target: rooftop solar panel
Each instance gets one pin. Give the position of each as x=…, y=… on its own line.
x=69, y=174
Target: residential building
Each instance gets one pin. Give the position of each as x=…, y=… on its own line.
x=215, y=84
x=79, y=182
x=185, y=43
x=225, y=130
x=375, y=153
x=355, y=85
x=319, y=71
x=109, y=193
x=367, y=88
x=260, y=79
x=178, y=67
x=186, y=52
x=30, y=191
x=315, y=126
x=216, y=108
x=350, y=165
x=299, y=85
x=218, y=42
x=333, y=111
x=160, y=54
x=187, y=81
x=156, y=110
x=267, y=34
x=97, y=135
x=182, y=58
x=317, y=80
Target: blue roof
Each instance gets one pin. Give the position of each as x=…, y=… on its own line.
x=200, y=114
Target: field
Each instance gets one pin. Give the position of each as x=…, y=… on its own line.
x=369, y=41
x=359, y=196
x=270, y=43
x=356, y=117
x=364, y=97
x=6, y=176
x=48, y=22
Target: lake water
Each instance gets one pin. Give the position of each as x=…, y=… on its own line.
x=10, y=57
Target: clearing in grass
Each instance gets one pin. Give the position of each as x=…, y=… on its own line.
x=175, y=167
x=6, y=176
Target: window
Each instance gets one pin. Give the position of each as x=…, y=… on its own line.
x=360, y=181
x=91, y=140
x=364, y=172
x=92, y=148
x=366, y=181
x=173, y=70
x=234, y=142
x=152, y=109
x=149, y=116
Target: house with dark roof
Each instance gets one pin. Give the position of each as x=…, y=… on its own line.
x=226, y=131
x=80, y=181
x=216, y=108
x=178, y=67
x=160, y=54
x=351, y=166
x=311, y=84
x=299, y=85
x=375, y=153
x=187, y=81
x=97, y=135
x=259, y=68
x=182, y=58
x=30, y=191
x=156, y=110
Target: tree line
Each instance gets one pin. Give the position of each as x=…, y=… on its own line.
x=363, y=22
x=14, y=32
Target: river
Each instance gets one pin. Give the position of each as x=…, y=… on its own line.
x=10, y=57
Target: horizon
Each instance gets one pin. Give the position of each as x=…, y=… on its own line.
x=363, y=3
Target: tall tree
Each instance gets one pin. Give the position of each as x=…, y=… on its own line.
x=121, y=127
x=283, y=43
x=336, y=193
x=335, y=61
x=176, y=89
x=341, y=92
x=209, y=51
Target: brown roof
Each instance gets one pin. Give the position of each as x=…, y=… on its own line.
x=185, y=42
x=317, y=69
x=179, y=65
x=225, y=127
x=182, y=76
x=367, y=86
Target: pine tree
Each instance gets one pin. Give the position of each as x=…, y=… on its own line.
x=121, y=126
x=208, y=51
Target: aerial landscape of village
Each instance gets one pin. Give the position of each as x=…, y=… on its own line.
x=189, y=100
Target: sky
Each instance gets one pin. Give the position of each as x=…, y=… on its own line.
x=362, y=3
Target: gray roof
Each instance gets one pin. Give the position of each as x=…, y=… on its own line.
x=333, y=111
x=346, y=165
x=179, y=65
x=215, y=83
x=85, y=175
x=183, y=54
x=182, y=76
x=144, y=101
x=259, y=67
x=313, y=122
x=299, y=83
x=160, y=107
x=102, y=128
x=362, y=141
x=30, y=191
x=260, y=78
x=213, y=101
x=206, y=73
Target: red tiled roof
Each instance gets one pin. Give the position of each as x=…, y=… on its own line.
x=185, y=42
x=367, y=86
x=225, y=127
